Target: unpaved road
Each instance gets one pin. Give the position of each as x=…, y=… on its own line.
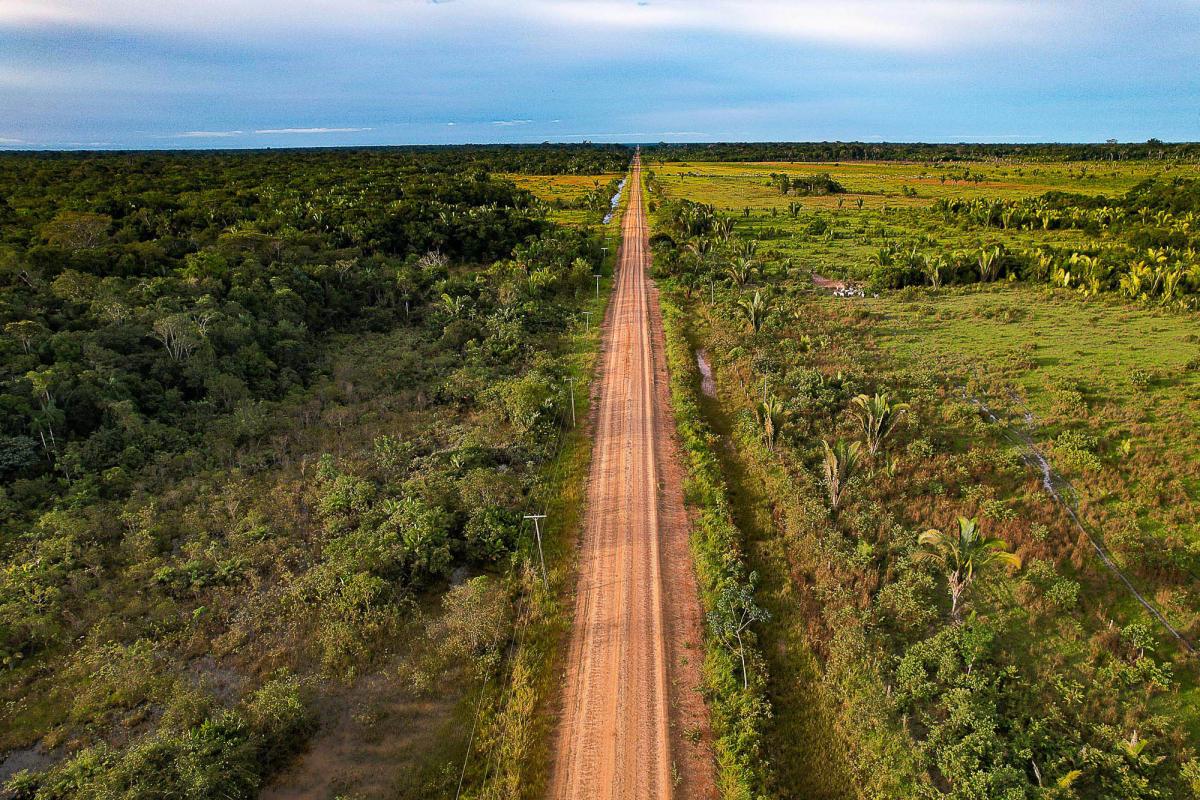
x=633, y=723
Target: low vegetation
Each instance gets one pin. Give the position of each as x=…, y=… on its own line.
x=971, y=617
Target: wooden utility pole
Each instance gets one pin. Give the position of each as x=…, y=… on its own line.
x=537, y=529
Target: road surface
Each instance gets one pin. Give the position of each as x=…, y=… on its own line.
x=633, y=724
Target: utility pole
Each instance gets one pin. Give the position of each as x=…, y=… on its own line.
x=587, y=322
x=537, y=529
x=597, y=277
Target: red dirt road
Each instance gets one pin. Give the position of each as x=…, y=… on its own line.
x=632, y=680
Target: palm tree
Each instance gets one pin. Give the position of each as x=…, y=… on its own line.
x=932, y=266
x=964, y=557
x=740, y=270
x=755, y=310
x=878, y=417
x=700, y=247
x=723, y=228
x=454, y=305
x=841, y=461
x=883, y=257
x=771, y=416
x=989, y=263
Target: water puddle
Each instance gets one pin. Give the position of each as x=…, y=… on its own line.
x=616, y=201
x=707, y=384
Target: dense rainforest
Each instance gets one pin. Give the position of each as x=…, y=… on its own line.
x=262, y=413
x=915, y=151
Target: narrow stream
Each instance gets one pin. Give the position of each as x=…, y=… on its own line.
x=707, y=384
x=1063, y=493
x=616, y=201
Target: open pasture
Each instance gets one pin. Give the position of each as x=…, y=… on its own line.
x=887, y=203
x=564, y=193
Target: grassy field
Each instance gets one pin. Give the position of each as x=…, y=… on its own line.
x=1105, y=389
x=1123, y=376
x=563, y=189
x=834, y=236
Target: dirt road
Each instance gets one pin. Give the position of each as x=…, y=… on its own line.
x=633, y=724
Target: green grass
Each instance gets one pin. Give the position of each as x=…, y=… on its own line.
x=1044, y=339
x=565, y=188
x=1119, y=377
x=887, y=215
x=735, y=185
x=1130, y=365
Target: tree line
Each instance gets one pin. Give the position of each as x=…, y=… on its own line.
x=915, y=151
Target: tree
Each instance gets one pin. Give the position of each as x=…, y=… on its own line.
x=840, y=464
x=25, y=331
x=771, y=416
x=878, y=417
x=76, y=230
x=734, y=613
x=741, y=270
x=932, y=267
x=989, y=263
x=964, y=558
x=755, y=310
x=181, y=334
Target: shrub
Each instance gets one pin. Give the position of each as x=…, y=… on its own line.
x=1076, y=451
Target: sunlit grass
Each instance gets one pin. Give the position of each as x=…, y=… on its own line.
x=564, y=188
x=888, y=216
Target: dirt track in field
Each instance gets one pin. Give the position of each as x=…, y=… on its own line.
x=634, y=725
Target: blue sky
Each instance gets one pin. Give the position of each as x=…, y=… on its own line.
x=282, y=73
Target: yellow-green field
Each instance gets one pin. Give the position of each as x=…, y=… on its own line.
x=564, y=189
x=733, y=186
x=851, y=234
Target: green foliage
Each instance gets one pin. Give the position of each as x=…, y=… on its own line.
x=733, y=674
x=1055, y=684
x=264, y=412
x=806, y=185
x=964, y=557
x=224, y=756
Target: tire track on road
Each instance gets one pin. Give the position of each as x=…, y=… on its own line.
x=630, y=681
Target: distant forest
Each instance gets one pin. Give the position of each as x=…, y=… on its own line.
x=895, y=151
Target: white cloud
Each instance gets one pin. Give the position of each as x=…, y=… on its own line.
x=6, y=140
x=508, y=123
x=900, y=24
x=15, y=13
x=273, y=131
x=207, y=134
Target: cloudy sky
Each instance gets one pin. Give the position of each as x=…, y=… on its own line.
x=254, y=73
